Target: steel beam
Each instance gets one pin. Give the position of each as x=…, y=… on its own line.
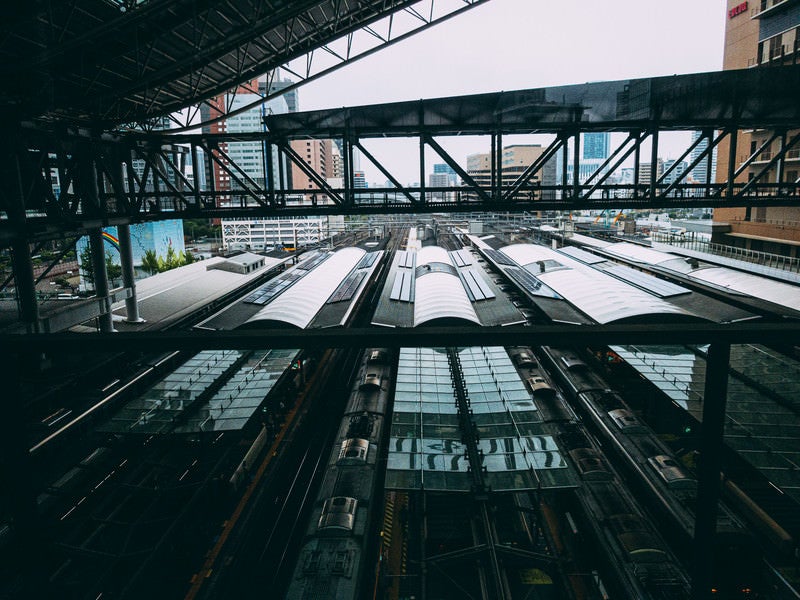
x=362, y=337
x=128, y=275
x=710, y=467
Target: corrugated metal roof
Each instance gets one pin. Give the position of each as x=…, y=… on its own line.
x=733, y=280
x=441, y=296
x=431, y=254
x=601, y=297
x=784, y=294
x=300, y=303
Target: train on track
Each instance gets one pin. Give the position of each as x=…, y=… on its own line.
x=670, y=489
x=640, y=563
x=340, y=542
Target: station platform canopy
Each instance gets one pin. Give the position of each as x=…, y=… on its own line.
x=426, y=449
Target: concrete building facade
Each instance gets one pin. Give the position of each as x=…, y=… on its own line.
x=759, y=34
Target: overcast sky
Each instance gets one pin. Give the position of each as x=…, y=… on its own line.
x=518, y=44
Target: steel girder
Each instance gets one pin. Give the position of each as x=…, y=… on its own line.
x=141, y=177
x=554, y=335
x=91, y=62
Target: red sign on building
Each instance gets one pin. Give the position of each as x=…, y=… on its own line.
x=737, y=10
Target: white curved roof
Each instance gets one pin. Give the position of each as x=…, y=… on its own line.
x=639, y=253
x=784, y=294
x=441, y=295
x=431, y=254
x=601, y=297
x=300, y=303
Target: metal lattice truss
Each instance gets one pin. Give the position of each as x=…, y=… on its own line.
x=136, y=177
x=116, y=63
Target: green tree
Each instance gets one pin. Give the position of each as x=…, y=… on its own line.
x=86, y=265
x=188, y=258
x=173, y=259
x=113, y=270
x=150, y=262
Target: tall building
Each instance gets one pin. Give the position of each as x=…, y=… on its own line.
x=596, y=145
x=257, y=234
x=699, y=173
x=248, y=155
x=269, y=233
x=516, y=159
x=767, y=35
x=595, y=151
x=445, y=169
x=676, y=173
x=318, y=155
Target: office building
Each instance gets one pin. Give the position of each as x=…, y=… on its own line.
x=596, y=145
x=760, y=35
x=515, y=160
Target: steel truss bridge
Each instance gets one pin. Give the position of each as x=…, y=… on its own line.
x=125, y=177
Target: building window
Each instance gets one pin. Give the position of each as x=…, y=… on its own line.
x=775, y=46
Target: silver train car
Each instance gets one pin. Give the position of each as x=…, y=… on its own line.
x=339, y=541
x=639, y=561
x=669, y=488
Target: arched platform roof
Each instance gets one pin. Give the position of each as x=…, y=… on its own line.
x=300, y=303
x=732, y=280
x=603, y=298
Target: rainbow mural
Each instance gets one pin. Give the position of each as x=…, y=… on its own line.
x=111, y=240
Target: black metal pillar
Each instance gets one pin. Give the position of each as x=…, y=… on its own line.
x=497, y=157
x=493, y=167
x=710, y=466
x=17, y=494
x=564, y=159
x=653, y=162
x=709, y=163
x=101, y=279
x=732, y=141
x=422, y=169
x=576, y=166
x=25, y=283
x=128, y=275
x=637, y=163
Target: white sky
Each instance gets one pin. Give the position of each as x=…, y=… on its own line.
x=518, y=44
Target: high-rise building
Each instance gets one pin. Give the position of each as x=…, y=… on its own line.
x=516, y=159
x=445, y=169
x=676, y=173
x=247, y=155
x=767, y=35
x=257, y=234
x=699, y=173
x=596, y=145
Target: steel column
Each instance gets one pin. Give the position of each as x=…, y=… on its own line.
x=101, y=279
x=422, y=168
x=709, y=161
x=653, y=162
x=637, y=163
x=576, y=166
x=564, y=171
x=128, y=275
x=26, y=285
x=710, y=466
x=732, y=144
